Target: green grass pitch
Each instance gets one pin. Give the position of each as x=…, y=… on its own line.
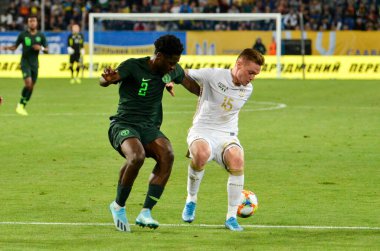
x=313, y=163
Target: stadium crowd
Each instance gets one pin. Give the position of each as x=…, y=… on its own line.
x=317, y=14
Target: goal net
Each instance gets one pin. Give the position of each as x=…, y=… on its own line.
x=120, y=21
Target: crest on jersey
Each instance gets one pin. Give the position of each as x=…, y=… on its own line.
x=38, y=39
x=166, y=78
x=242, y=93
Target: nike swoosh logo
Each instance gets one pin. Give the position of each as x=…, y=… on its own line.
x=146, y=80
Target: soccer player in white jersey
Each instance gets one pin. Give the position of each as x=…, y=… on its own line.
x=213, y=135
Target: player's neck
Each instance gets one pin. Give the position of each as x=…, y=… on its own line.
x=234, y=79
x=32, y=31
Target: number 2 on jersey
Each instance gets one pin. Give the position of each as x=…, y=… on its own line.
x=227, y=104
x=143, y=88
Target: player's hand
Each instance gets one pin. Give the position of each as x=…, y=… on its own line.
x=70, y=50
x=36, y=47
x=82, y=51
x=170, y=88
x=109, y=76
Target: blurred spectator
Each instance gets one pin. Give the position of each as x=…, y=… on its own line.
x=259, y=46
x=272, y=47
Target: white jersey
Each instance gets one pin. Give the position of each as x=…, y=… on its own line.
x=220, y=101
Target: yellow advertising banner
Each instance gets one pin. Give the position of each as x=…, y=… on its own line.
x=292, y=67
x=322, y=43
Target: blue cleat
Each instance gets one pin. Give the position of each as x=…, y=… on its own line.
x=120, y=218
x=144, y=219
x=233, y=225
x=188, y=213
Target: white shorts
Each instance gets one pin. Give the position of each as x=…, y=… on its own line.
x=219, y=142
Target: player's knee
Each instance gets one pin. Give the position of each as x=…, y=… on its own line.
x=236, y=170
x=136, y=159
x=200, y=159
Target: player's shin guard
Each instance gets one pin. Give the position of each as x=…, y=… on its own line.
x=235, y=185
x=194, y=179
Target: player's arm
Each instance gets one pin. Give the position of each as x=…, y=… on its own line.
x=38, y=47
x=42, y=47
x=109, y=77
x=191, y=85
x=10, y=48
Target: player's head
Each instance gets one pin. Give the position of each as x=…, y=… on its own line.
x=248, y=65
x=168, y=49
x=75, y=28
x=32, y=22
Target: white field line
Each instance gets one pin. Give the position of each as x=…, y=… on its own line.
x=267, y=107
x=194, y=225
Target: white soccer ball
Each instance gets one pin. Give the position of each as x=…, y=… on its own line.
x=248, y=204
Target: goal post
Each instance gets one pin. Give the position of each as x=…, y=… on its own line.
x=187, y=16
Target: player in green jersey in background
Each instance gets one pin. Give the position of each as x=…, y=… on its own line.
x=75, y=43
x=32, y=42
x=135, y=129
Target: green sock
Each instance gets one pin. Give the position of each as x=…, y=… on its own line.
x=25, y=96
x=122, y=194
x=153, y=196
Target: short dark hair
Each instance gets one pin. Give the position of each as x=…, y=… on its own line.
x=32, y=16
x=169, y=45
x=252, y=55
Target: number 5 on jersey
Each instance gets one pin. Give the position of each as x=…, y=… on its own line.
x=227, y=104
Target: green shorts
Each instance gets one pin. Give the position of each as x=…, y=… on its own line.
x=120, y=131
x=29, y=71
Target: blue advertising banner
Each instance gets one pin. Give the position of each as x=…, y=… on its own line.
x=115, y=42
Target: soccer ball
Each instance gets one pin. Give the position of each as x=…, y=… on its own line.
x=248, y=204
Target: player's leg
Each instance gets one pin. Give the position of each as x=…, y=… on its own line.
x=77, y=69
x=71, y=67
x=160, y=150
x=30, y=77
x=126, y=141
x=233, y=158
x=200, y=153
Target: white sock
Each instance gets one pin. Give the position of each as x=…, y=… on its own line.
x=235, y=185
x=194, y=179
x=116, y=206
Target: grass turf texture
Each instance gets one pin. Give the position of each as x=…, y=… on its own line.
x=314, y=163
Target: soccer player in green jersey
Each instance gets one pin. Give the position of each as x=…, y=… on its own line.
x=135, y=129
x=32, y=42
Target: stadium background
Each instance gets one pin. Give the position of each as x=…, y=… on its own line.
x=336, y=29
x=312, y=148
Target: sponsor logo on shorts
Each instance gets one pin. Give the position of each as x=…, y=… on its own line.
x=124, y=132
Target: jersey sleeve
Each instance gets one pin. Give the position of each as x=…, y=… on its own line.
x=44, y=41
x=81, y=44
x=19, y=40
x=69, y=41
x=200, y=75
x=124, y=69
x=178, y=74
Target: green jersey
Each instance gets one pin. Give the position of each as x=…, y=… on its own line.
x=141, y=92
x=29, y=55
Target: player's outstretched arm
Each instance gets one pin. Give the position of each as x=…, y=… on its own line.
x=108, y=77
x=191, y=85
x=10, y=48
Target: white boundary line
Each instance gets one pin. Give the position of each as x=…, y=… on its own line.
x=192, y=225
x=268, y=107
